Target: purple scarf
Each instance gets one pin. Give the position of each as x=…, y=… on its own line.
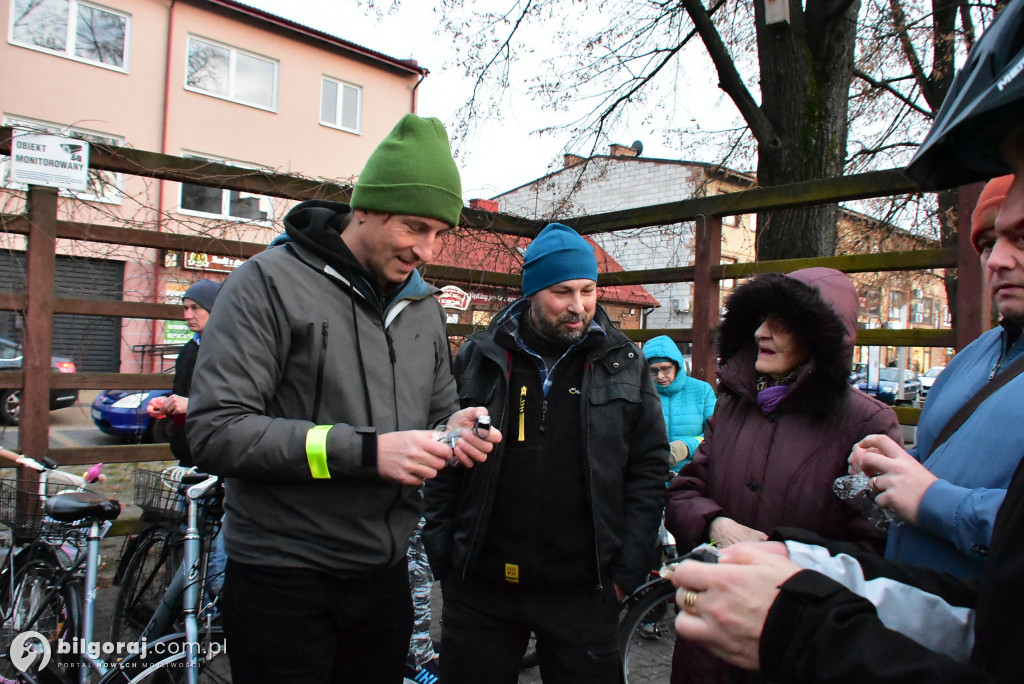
x=769, y=397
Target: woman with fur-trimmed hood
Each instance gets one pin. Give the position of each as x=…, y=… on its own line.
x=785, y=423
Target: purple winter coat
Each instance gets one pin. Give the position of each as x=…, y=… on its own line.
x=769, y=471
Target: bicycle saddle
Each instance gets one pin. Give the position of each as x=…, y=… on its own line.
x=73, y=506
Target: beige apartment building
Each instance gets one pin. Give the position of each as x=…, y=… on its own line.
x=209, y=79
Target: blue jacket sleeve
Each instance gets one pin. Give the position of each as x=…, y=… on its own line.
x=962, y=515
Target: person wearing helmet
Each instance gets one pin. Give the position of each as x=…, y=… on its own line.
x=806, y=610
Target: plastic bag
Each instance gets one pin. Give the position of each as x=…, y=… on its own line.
x=856, y=490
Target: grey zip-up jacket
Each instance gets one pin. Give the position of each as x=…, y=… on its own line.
x=297, y=343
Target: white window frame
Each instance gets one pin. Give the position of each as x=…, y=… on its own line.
x=358, y=130
x=72, y=34
x=233, y=54
x=225, y=196
x=112, y=179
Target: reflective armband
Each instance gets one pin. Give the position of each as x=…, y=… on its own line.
x=316, y=452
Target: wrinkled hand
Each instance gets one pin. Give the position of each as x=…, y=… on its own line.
x=410, y=457
x=175, y=404
x=726, y=532
x=898, y=478
x=471, y=449
x=733, y=599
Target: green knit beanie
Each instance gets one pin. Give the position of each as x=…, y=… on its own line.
x=412, y=173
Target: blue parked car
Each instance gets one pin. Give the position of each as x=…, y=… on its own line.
x=122, y=413
x=889, y=384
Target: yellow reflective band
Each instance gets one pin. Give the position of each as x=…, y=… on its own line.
x=316, y=451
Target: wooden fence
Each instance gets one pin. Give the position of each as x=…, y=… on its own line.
x=41, y=226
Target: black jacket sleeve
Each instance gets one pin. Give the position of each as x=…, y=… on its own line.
x=818, y=631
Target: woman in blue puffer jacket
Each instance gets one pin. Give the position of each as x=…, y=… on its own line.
x=686, y=402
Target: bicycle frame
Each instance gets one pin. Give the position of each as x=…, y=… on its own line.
x=187, y=584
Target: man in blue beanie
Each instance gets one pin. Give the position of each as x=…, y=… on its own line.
x=322, y=377
x=560, y=521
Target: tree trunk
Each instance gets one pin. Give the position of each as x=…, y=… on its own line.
x=806, y=69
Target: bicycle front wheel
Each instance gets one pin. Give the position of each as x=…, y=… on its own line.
x=647, y=634
x=164, y=662
x=39, y=599
x=147, y=575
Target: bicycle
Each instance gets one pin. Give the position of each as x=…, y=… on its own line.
x=185, y=650
x=150, y=558
x=647, y=633
x=47, y=597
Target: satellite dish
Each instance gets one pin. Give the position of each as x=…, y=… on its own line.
x=638, y=146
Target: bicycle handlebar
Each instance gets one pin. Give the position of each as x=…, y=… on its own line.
x=49, y=467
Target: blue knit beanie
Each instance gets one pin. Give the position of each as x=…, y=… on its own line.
x=203, y=293
x=557, y=254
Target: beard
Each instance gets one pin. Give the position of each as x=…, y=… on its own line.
x=552, y=330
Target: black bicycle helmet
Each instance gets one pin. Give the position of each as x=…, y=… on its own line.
x=984, y=102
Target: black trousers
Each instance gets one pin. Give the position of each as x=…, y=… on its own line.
x=485, y=630
x=303, y=626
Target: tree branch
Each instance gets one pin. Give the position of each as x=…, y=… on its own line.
x=728, y=77
x=882, y=85
x=899, y=22
x=640, y=82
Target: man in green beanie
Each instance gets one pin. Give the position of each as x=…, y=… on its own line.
x=320, y=381
x=550, y=532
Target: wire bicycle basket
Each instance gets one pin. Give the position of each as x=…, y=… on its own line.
x=21, y=510
x=156, y=493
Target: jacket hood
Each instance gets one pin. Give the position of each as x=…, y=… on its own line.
x=819, y=307
x=317, y=225
x=663, y=347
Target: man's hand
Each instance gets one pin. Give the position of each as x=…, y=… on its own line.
x=898, y=478
x=175, y=404
x=729, y=600
x=471, y=448
x=726, y=532
x=410, y=457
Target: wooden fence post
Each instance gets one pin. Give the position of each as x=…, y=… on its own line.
x=973, y=306
x=706, y=303
x=40, y=267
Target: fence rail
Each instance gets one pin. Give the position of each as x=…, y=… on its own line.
x=42, y=228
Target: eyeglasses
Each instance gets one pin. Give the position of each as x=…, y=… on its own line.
x=667, y=371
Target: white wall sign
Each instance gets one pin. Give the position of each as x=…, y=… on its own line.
x=51, y=160
x=452, y=297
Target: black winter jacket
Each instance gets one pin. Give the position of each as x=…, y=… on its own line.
x=818, y=631
x=626, y=452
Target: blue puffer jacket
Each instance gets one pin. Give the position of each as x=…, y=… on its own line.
x=686, y=402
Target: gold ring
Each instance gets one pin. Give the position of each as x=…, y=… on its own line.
x=690, y=601
x=874, y=484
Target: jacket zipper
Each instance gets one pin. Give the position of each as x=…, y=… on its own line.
x=320, y=372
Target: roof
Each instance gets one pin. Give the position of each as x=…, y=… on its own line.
x=262, y=16
x=485, y=251
x=711, y=169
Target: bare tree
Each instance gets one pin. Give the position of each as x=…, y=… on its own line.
x=878, y=68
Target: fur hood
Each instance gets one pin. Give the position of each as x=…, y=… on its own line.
x=819, y=307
